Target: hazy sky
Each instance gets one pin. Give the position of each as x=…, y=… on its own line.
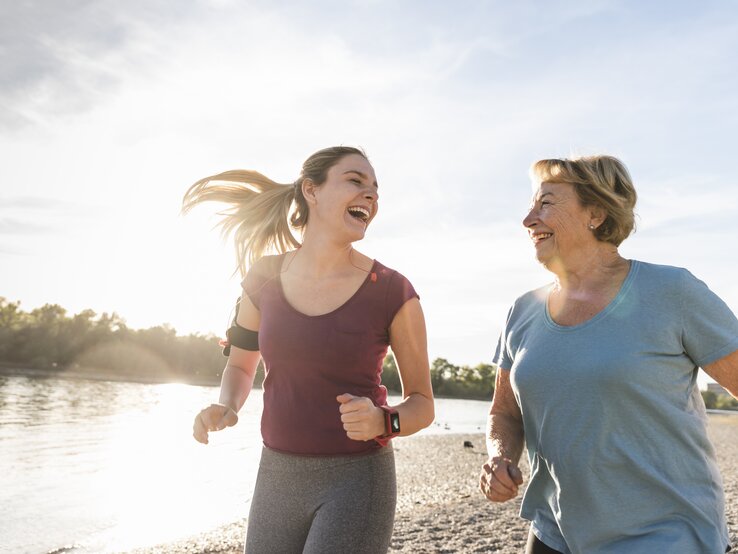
x=110, y=110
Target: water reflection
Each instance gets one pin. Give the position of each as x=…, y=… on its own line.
x=107, y=467
x=111, y=466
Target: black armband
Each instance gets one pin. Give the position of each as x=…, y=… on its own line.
x=243, y=338
x=240, y=337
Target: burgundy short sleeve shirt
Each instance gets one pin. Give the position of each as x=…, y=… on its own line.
x=309, y=360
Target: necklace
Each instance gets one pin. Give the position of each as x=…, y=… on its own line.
x=350, y=258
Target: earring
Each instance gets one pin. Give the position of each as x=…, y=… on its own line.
x=591, y=227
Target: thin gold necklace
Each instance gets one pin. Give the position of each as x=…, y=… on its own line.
x=351, y=261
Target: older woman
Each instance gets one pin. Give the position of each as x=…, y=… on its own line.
x=597, y=377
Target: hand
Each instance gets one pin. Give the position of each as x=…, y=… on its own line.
x=215, y=417
x=362, y=420
x=500, y=479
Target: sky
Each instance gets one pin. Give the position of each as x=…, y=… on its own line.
x=110, y=110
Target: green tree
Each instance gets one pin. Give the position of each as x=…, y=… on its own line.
x=48, y=337
x=725, y=402
x=710, y=399
x=390, y=374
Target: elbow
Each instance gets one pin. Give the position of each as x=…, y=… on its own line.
x=245, y=371
x=430, y=419
x=428, y=414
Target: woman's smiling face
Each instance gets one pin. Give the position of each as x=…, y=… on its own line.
x=557, y=223
x=348, y=199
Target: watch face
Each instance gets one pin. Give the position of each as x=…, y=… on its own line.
x=395, y=422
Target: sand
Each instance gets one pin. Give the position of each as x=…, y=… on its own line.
x=440, y=508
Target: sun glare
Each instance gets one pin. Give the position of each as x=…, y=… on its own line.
x=164, y=485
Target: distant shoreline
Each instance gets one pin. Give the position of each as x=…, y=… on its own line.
x=98, y=375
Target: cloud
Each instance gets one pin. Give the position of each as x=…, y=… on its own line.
x=131, y=102
x=33, y=202
x=63, y=57
x=10, y=226
x=32, y=216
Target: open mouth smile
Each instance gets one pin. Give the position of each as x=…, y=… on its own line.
x=360, y=213
x=539, y=237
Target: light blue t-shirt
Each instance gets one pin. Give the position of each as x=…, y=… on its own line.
x=614, y=422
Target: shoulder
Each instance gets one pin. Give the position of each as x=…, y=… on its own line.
x=527, y=306
x=391, y=277
x=394, y=289
x=267, y=266
x=664, y=274
x=261, y=272
x=534, y=297
x=668, y=281
x=382, y=269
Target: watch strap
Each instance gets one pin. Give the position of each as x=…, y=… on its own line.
x=391, y=425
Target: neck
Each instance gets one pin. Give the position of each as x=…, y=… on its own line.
x=589, y=270
x=319, y=256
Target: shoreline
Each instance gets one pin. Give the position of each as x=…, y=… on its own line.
x=100, y=375
x=440, y=508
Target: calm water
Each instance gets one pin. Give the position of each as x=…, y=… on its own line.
x=95, y=466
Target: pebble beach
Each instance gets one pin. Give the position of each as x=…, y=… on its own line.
x=440, y=508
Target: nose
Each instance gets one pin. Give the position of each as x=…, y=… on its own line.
x=530, y=219
x=371, y=193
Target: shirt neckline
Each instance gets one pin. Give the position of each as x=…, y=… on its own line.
x=634, y=264
x=327, y=314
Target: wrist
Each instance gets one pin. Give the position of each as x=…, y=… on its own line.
x=391, y=421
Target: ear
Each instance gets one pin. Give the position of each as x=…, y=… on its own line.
x=597, y=216
x=309, y=190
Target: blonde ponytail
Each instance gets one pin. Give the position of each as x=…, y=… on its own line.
x=257, y=215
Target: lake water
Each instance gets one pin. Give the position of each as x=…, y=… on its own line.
x=97, y=466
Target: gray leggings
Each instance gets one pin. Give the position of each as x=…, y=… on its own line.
x=316, y=504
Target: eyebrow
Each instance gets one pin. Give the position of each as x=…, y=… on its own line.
x=360, y=174
x=539, y=198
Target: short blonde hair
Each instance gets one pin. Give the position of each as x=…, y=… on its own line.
x=600, y=181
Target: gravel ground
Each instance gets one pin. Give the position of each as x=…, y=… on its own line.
x=439, y=508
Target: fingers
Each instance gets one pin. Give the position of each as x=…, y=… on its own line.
x=515, y=474
x=215, y=417
x=199, y=430
x=350, y=403
x=499, y=479
x=361, y=419
x=345, y=397
x=228, y=418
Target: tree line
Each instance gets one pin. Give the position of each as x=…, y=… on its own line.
x=50, y=339
x=103, y=346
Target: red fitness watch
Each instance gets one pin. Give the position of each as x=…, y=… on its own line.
x=391, y=425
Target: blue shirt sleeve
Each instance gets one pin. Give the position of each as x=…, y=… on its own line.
x=709, y=327
x=503, y=357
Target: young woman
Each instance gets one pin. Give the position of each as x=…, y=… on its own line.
x=321, y=315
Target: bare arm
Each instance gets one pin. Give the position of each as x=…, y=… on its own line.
x=238, y=375
x=361, y=419
x=725, y=372
x=500, y=476
x=505, y=423
x=409, y=345
x=236, y=383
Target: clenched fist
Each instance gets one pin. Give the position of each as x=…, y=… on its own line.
x=362, y=420
x=213, y=418
x=500, y=479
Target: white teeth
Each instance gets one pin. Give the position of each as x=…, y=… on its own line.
x=359, y=209
x=541, y=236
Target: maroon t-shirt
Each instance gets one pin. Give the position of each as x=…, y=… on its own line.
x=310, y=360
